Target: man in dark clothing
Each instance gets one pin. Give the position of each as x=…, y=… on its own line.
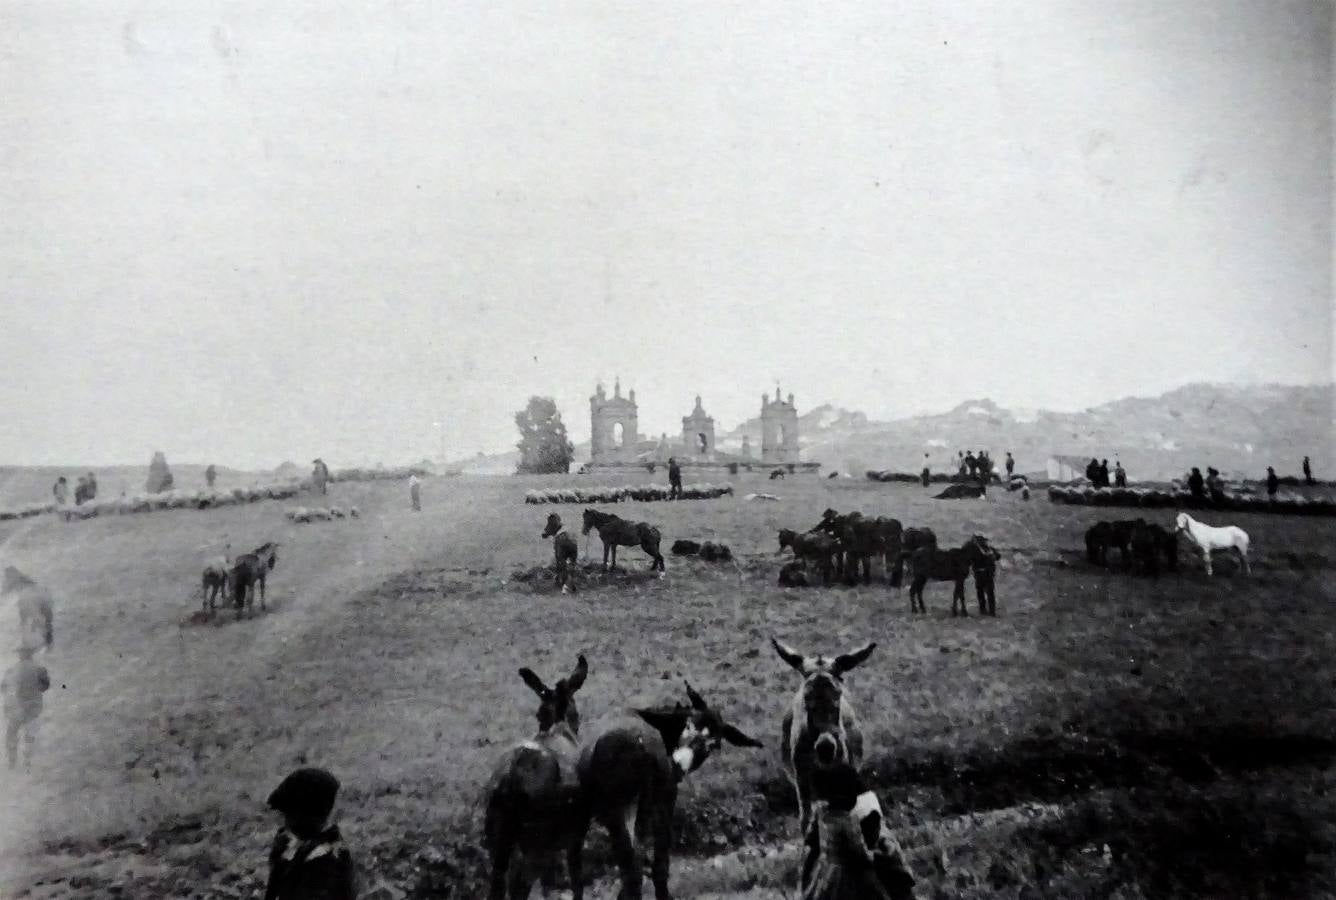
x=1215, y=485
x=210, y=475
x=925, y=475
x=1011, y=465
x=1272, y=483
x=1104, y=473
x=1092, y=472
x=674, y=479
x=1197, y=485
x=1119, y=474
x=971, y=464
x=1308, y=472
x=308, y=860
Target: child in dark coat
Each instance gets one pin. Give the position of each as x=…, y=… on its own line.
x=850, y=854
x=308, y=860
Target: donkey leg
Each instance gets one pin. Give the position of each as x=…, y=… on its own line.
x=663, y=847
x=575, y=852
x=501, y=853
x=624, y=850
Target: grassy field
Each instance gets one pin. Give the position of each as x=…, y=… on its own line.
x=1104, y=736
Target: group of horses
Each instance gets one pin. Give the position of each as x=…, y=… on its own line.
x=1142, y=545
x=846, y=546
x=546, y=791
x=238, y=578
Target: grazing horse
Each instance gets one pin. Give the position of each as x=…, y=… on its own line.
x=821, y=549
x=248, y=570
x=1209, y=538
x=616, y=532
x=1149, y=541
x=534, y=793
x=214, y=582
x=911, y=540
x=629, y=770
x=1102, y=536
x=36, y=607
x=932, y=564
x=566, y=551
x=820, y=727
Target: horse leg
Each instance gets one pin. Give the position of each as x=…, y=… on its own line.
x=605, y=556
x=1243, y=558
x=1206, y=558
x=959, y=592
x=262, y=606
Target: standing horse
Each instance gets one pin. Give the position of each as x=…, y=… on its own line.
x=615, y=532
x=248, y=570
x=931, y=564
x=911, y=540
x=215, y=580
x=565, y=551
x=1209, y=538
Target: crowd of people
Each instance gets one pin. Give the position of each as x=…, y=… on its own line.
x=1097, y=473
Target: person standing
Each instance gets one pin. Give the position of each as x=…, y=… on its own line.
x=415, y=491
x=1011, y=465
x=926, y=474
x=61, y=491
x=674, y=479
x=971, y=464
x=1308, y=471
x=1119, y=474
x=962, y=469
x=210, y=475
x=319, y=474
x=22, y=688
x=1272, y=484
x=1104, y=473
x=1215, y=485
x=1196, y=485
x=90, y=490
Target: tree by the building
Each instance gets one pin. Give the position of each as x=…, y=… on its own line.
x=544, y=447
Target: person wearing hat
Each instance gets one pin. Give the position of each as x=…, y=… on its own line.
x=22, y=688
x=308, y=860
x=850, y=853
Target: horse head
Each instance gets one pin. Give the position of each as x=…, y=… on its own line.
x=557, y=703
x=553, y=525
x=590, y=519
x=819, y=703
x=786, y=538
x=1183, y=522
x=692, y=733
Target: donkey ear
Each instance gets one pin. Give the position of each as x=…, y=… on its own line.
x=697, y=701
x=846, y=661
x=788, y=654
x=736, y=737
x=534, y=682
x=667, y=722
x=577, y=677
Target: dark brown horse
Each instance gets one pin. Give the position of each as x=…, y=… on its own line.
x=1151, y=541
x=615, y=532
x=821, y=549
x=911, y=540
x=932, y=564
x=249, y=570
x=566, y=551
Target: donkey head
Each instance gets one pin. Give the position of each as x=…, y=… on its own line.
x=553, y=525
x=820, y=698
x=557, y=703
x=692, y=733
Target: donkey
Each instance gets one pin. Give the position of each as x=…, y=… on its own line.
x=534, y=792
x=566, y=551
x=614, y=532
x=36, y=608
x=248, y=570
x=821, y=549
x=629, y=771
x=820, y=727
x=931, y=564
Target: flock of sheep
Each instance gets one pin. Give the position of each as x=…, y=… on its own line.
x=639, y=492
x=1155, y=498
x=173, y=499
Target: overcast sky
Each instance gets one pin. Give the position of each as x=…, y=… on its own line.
x=245, y=232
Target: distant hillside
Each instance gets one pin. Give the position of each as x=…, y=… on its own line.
x=1236, y=429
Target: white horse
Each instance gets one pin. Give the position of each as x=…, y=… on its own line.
x=1208, y=538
